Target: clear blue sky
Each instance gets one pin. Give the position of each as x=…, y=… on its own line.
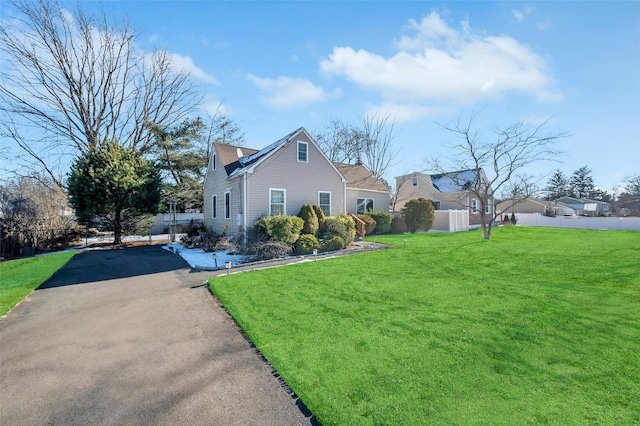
x=278, y=66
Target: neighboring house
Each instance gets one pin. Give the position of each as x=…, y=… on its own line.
x=364, y=191
x=585, y=207
x=447, y=191
x=534, y=205
x=243, y=185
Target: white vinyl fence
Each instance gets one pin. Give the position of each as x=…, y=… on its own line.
x=451, y=220
x=162, y=222
x=614, y=223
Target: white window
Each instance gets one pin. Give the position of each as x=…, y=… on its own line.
x=324, y=201
x=474, y=205
x=363, y=205
x=488, y=208
x=214, y=206
x=277, y=202
x=303, y=152
x=415, y=181
x=227, y=205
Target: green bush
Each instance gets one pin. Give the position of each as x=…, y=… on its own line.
x=514, y=220
x=332, y=244
x=383, y=221
x=397, y=225
x=369, y=223
x=418, y=215
x=306, y=244
x=322, y=226
x=285, y=229
x=269, y=250
x=310, y=219
x=342, y=226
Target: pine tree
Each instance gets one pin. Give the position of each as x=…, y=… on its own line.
x=113, y=182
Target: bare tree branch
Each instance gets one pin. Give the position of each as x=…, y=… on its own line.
x=497, y=159
x=73, y=81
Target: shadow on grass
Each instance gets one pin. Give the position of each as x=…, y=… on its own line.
x=102, y=265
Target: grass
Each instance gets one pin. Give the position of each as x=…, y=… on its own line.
x=18, y=278
x=536, y=326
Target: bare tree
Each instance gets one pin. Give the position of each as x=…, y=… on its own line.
x=35, y=212
x=371, y=142
x=496, y=159
x=72, y=81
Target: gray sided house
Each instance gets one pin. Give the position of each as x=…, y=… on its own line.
x=447, y=191
x=534, y=205
x=243, y=185
x=364, y=191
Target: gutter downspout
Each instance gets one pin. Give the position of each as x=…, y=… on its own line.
x=244, y=208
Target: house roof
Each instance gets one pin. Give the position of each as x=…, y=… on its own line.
x=358, y=176
x=579, y=201
x=229, y=155
x=247, y=161
x=461, y=180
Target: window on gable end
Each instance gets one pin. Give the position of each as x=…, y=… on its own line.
x=303, y=152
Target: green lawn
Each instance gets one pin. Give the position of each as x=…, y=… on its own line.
x=536, y=326
x=18, y=278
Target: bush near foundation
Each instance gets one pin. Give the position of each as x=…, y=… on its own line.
x=369, y=223
x=383, y=221
x=342, y=226
x=285, y=229
x=306, y=244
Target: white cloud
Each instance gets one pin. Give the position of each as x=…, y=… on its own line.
x=518, y=15
x=287, y=92
x=446, y=65
x=185, y=63
x=403, y=112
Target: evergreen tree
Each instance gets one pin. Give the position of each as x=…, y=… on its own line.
x=557, y=186
x=310, y=219
x=582, y=183
x=112, y=182
x=418, y=215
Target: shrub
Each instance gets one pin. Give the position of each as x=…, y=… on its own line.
x=332, y=244
x=514, y=220
x=285, y=229
x=383, y=221
x=310, y=220
x=306, y=244
x=506, y=220
x=269, y=250
x=398, y=226
x=194, y=228
x=369, y=223
x=342, y=226
x=322, y=226
x=418, y=215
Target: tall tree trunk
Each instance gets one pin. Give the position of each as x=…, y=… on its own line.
x=117, y=227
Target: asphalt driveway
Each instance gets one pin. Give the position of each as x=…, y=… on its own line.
x=133, y=337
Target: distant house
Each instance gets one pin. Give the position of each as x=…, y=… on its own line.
x=241, y=184
x=534, y=205
x=585, y=207
x=447, y=191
